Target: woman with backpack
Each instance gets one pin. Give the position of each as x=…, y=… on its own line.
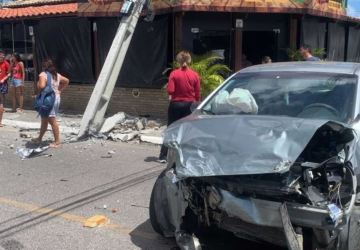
x=18, y=78
x=58, y=84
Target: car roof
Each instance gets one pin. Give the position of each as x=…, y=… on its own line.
x=319, y=66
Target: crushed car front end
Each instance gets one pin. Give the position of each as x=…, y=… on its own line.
x=296, y=187
x=289, y=180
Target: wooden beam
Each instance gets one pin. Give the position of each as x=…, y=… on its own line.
x=293, y=32
x=178, y=24
x=238, y=49
x=96, y=51
x=35, y=66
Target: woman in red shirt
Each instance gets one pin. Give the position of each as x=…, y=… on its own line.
x=183, y=89
x=18, y=77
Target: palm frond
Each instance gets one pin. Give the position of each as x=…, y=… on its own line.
x=218, y=68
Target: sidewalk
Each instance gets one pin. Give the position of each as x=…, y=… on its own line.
x=29, y=120
x=127, y=130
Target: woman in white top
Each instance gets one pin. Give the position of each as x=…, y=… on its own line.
x=59, y=83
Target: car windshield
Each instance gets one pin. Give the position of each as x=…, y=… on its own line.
x=296, y=94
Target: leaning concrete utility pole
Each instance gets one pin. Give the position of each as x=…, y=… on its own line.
x=94, y=114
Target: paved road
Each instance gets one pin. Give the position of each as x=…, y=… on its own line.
x=45, y=200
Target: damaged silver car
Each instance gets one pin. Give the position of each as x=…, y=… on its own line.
x=272, y=156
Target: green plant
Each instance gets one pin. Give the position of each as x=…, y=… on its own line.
x=211, y=71
x=319, y=52
x=294, y=55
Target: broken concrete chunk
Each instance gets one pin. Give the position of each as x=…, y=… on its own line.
x=139, y=125
x=123, y=137
x=25, y=135
x=144, y=121
x=153, y=124
x=150, y=132
x=110, y=122
x=131, y=136
x=151, y=139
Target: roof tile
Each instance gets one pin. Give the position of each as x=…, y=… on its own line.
x=66, y=8
x=23, y=3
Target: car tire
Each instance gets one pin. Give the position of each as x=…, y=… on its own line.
x=152, y=210
x=159, y=209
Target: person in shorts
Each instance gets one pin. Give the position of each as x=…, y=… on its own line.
x=58, y=83
x=4, y=75
x=18, y=78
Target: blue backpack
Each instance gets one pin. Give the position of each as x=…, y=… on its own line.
x=45, y=100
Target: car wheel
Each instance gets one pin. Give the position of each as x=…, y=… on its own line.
x=152, y=210
x=159, y=209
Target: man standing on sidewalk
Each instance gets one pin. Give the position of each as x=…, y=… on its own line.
x=4, y=75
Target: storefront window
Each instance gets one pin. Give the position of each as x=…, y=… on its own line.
x=15, y=37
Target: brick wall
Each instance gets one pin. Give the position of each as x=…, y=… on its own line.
x=152, y=102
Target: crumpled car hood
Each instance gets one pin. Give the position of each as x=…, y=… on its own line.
x=238, y=144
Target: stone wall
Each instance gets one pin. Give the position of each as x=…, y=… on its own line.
x=139, y=102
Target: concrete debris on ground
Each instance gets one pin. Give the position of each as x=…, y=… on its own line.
x=151, y=139
x=111, y=122
x=25, y=135
x=30, y=152
x=119, y=127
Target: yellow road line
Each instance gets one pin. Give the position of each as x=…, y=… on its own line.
x=70, y=217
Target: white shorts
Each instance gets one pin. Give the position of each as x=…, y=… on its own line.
x=55, y=110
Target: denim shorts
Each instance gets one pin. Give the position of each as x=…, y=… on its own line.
x=4, y=88
x=17, y=82
x=55, y=110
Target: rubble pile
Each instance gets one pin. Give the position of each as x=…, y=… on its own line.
x=121, y=127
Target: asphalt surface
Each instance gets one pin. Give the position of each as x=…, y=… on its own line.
x=45, y=200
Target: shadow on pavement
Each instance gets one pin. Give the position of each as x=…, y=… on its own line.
x=145, y=238
x=150, y=159
x=27, y=220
